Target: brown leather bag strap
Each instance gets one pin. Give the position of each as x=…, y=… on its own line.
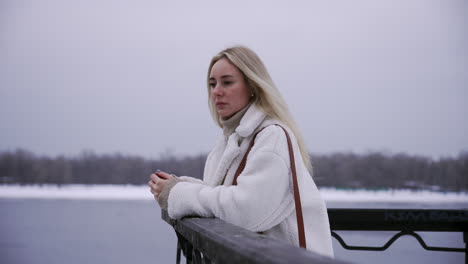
x=244, y=160
x=297, y=197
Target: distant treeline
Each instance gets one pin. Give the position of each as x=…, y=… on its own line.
x=377, y=170
x=341, y=170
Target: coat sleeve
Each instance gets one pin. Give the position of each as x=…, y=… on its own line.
x=262, y=198
x=191, y=179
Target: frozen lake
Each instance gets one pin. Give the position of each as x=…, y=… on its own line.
x=122, y=224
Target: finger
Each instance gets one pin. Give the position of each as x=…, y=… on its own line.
x=153, y=187
x=154, y=177
x=164, y=175
x=150, y=184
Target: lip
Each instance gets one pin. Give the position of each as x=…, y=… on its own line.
x=220, y=103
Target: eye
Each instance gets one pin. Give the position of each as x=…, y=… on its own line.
x=212, y=85
x=226, y=83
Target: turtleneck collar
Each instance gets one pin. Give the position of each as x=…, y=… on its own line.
x=230, y=125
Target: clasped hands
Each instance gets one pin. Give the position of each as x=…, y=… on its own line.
x=158, y=180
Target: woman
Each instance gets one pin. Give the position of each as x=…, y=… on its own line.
x=244, y=101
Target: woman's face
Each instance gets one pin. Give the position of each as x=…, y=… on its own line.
x=229, y=91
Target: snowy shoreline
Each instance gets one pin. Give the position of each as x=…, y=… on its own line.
x=141, y=192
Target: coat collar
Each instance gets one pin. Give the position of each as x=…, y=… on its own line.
x=250, y=121
x=228, y=148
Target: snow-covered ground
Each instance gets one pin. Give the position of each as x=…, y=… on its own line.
x=77, y=191
x=400, y=196
x=132, y=192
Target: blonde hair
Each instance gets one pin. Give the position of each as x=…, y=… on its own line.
x=265, y=94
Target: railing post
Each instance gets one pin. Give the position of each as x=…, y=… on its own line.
x=178, y=251
x=465, y=239
x=196, y=256
x=188, y=253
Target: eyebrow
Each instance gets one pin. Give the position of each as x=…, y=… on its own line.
x=222, y=77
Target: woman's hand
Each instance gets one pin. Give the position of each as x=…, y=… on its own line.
x=157, y=182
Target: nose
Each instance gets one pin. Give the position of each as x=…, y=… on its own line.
x=217, y=91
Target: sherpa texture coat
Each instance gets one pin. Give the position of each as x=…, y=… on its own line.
x=263, y=200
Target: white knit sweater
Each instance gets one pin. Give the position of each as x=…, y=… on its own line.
x=263, y=199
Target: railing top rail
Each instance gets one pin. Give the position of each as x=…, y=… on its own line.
x=399, y=219
x=222, y=242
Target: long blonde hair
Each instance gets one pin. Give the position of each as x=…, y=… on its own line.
x=265, y=94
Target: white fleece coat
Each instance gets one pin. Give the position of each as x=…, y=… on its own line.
x=263, y=200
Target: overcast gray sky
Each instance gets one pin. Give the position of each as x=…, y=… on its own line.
x=129, y=76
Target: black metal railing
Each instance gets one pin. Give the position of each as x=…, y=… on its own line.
x=211, y=240
x=405, y=222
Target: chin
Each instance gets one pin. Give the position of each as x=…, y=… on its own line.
x=225, y=115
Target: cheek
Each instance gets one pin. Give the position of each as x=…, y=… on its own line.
x=244, y=96
x=245, y=99
x=243, y=93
